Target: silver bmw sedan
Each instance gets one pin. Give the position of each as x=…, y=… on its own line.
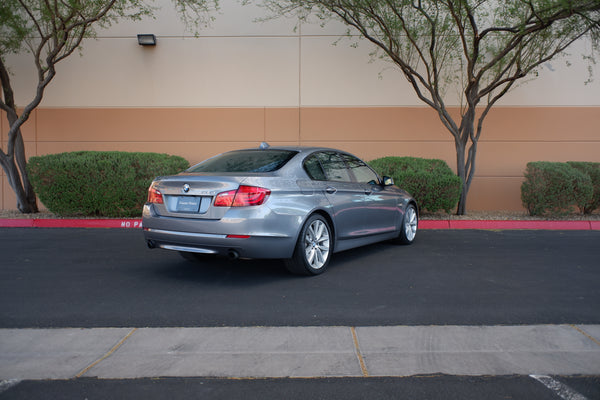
x=299, y=204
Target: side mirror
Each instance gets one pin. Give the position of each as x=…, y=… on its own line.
x=388, y=181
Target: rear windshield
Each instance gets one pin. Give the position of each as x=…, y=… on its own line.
x=246, y=161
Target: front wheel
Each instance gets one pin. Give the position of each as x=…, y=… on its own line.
x=410, y=223
x=313, y=249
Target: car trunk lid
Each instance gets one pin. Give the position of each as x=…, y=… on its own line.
x=192, y=195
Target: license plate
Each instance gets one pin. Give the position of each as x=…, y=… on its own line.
x=188, y=204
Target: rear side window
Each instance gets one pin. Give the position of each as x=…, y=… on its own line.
x=313, y=168
x=327, y=165
x=246, y=161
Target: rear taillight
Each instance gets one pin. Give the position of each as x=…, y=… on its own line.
x=225, y=199
x=155, y=196
x=242, y=197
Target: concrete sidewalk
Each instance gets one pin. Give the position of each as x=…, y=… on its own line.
x=243, y=352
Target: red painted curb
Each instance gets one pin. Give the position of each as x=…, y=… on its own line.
x=543, y=225
x=87, y=223
x=434, y=224
x=70, y=223
x=16, y=223
x=423, y=224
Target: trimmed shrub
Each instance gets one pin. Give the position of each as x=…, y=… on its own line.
x=593, y=171
x=99, y=183
x=431, y=182
x=554, y=188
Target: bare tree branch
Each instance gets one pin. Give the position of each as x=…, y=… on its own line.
x=491, y=45
x=52, y=30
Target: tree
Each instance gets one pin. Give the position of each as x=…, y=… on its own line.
x=51, y=30
x=483, y=46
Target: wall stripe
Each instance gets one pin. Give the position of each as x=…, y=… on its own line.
x=512, y=137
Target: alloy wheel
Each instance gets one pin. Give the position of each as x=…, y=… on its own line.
x=316, y=244
x=410, y=223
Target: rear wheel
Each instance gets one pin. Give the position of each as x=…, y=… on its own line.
x=313, y=249
x=410, y=223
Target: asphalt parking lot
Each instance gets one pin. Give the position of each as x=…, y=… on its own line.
x=52, y=278
x=504, y=298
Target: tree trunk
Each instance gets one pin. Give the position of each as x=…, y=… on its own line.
x=462, y=202
x=462, y=174
x=14, y=162
x=14, y=165
x=465, y=160
x=28, y=204
x=26, y=200
x=14, y=179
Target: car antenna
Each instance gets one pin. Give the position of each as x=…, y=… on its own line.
x=264, y=145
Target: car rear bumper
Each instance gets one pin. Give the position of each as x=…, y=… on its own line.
x=243, y=247
x=269, y=236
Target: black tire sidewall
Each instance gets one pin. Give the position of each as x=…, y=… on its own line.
x=299, y=264
x=402, y=239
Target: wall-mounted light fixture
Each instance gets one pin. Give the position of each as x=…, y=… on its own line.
x=146, y=39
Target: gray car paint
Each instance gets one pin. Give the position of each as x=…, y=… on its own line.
x=360, y=213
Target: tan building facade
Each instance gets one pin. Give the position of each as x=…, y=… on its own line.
x=243, y=82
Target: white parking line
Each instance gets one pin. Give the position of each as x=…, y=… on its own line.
x=558, y=388
x=7, y=384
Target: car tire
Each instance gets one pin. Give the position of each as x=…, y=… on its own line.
x=313, y=248
x=409, y=226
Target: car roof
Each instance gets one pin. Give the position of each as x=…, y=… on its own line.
x=300, y=149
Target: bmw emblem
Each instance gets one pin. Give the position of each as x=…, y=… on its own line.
x=186, y=188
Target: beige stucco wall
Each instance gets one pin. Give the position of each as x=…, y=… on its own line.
x=513, y=136
x=242, y=82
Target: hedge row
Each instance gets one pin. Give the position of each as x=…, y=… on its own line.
x=558, y=188
x=115, y=184
x=431, y=182
x=99, y=183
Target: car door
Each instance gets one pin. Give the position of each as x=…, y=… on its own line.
x=328, y=171
x=380, y=206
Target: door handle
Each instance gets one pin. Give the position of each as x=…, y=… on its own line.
x=331, y=190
